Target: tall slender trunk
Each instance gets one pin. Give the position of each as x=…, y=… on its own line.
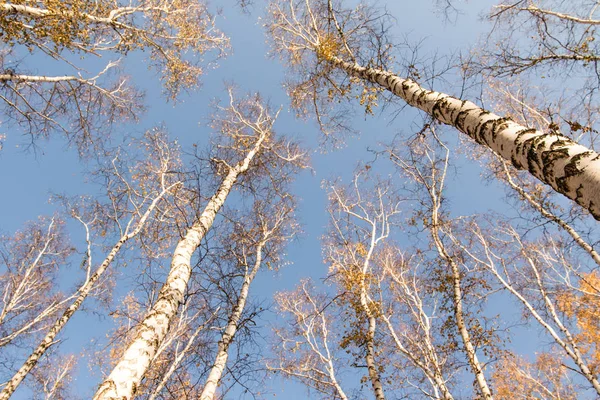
x=127, y=374
x=461, y=324
x=371, y=320
x=460, y=319
x=208, y=393
x=84, y=291
x=569, y=168
x=464, y=332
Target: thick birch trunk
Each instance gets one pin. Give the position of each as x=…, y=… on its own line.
x=84, y=291
x=126, y=376
x=571, y=169
x=208, y=393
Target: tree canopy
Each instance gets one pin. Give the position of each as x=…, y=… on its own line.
x=302, y=198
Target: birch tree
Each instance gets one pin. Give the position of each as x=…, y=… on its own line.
x=381, y=311
x=175, y=35
x=252, y=247
x=426, y=164
x=539, y=206
x=31, y=260
x=325, y=43
x=307, y=348
x=246, y=136
x=544, y=281
x=134, y=200
x=360, y=223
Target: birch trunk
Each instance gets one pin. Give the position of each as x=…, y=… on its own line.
x=127, y=374
x=473, y=360
x=372, y=322
x=460, y=320
x=84, y=290
x=208, y=393
x=569, y=168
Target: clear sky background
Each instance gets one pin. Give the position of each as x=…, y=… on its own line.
x=28, y=177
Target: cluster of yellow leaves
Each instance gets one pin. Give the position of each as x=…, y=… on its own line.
x=64, y=26
x=329, y=46
x=368, y=98
x=514, y=376
x=585, y=309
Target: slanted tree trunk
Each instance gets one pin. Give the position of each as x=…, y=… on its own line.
x=569, y=168
x=83, y=291
x=129, y=371
x=216, y=372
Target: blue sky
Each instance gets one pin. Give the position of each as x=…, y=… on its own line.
x=29, y=177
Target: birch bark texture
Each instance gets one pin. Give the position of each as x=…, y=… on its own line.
x=131, y=367
x=569, y=168
x=319, y=37
x=82, y=293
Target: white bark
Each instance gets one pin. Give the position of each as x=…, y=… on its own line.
x=559, y=221
x=83, y=291
x=129, y=371
x=569, y=168
x=180, y=356
x=372, y=322
x=458, y=311
x=568, y=344
x=216, y=372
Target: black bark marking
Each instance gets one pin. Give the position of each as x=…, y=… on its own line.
x=518, y=141
x=549, y=158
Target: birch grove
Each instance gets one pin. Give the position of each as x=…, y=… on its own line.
x=175, y=243
x=143, y=208
x=247, y=129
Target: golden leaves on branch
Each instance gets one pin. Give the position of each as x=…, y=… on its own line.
x=583, y=306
